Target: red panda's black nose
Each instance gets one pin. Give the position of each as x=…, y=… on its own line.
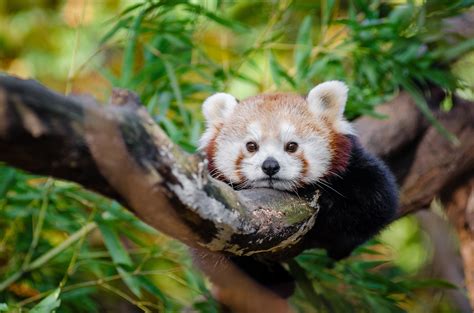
x=270, y=166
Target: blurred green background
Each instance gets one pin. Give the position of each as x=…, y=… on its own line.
x=63, y=248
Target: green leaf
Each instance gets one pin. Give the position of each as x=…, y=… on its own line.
x=3, y=307
x=447, y=103
x=318, y=301
x=303, y=47
x=327, y=8
x=234, y=25
x=48, y=304
x=8, y=178
x=431, y=283
x=367, y=265
x=367, y=250
x=458, y=50
x=131, y=9
x=164, y=102
x=115, y=247
x=402, y=15
x=151, y=288
x=121, y=24
x=130, y=49
x=79, y=293
x=171, y=129
x=278, y=72
x=131, y=281
x=117, y=212
x=175, y=86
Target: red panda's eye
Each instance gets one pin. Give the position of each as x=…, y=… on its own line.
x=291, y=147
x=251, y=146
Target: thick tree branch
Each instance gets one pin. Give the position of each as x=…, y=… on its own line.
x=120, y=152
x=424, y=161
x=439, y=164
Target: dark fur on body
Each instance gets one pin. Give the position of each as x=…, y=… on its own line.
x=360, y=201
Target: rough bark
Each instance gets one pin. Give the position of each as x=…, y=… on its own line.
x=438, y=164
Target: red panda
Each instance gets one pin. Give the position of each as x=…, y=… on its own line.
x=297, y=143
x=283, y=141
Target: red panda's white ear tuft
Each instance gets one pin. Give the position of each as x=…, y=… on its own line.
x=218, y=107
x=328, y=98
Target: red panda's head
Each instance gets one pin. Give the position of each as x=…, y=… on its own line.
x=282, y=141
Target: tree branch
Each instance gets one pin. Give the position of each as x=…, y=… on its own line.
x=119, y=151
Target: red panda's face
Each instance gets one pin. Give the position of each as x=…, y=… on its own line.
x=280, y=141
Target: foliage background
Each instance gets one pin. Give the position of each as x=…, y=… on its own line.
x=63, y=248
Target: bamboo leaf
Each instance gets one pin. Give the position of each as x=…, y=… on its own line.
x=458, y=50
x=48, y=304
x=131, y=281
x=175, y=86
x=115, y=247
x=121, y=24
x=234, y=25
x=7, y=179
x=151, y=288
x=278, y=72
x=129, y=54
x=303, y=48
x=327, y=12
x=423, y=106
x=431, y=283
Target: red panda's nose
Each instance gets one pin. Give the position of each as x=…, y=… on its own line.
x=270, y=166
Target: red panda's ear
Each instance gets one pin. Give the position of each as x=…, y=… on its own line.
x=218, y=107
x=328, y=98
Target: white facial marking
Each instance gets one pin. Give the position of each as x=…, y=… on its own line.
x=249, y=173
x=272, y=125
x=254, y=132
x=287, y=132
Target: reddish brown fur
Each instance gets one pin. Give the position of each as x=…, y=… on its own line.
x=340, y=147
x=305, y=166
x=210, y=154
x=238, y=166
